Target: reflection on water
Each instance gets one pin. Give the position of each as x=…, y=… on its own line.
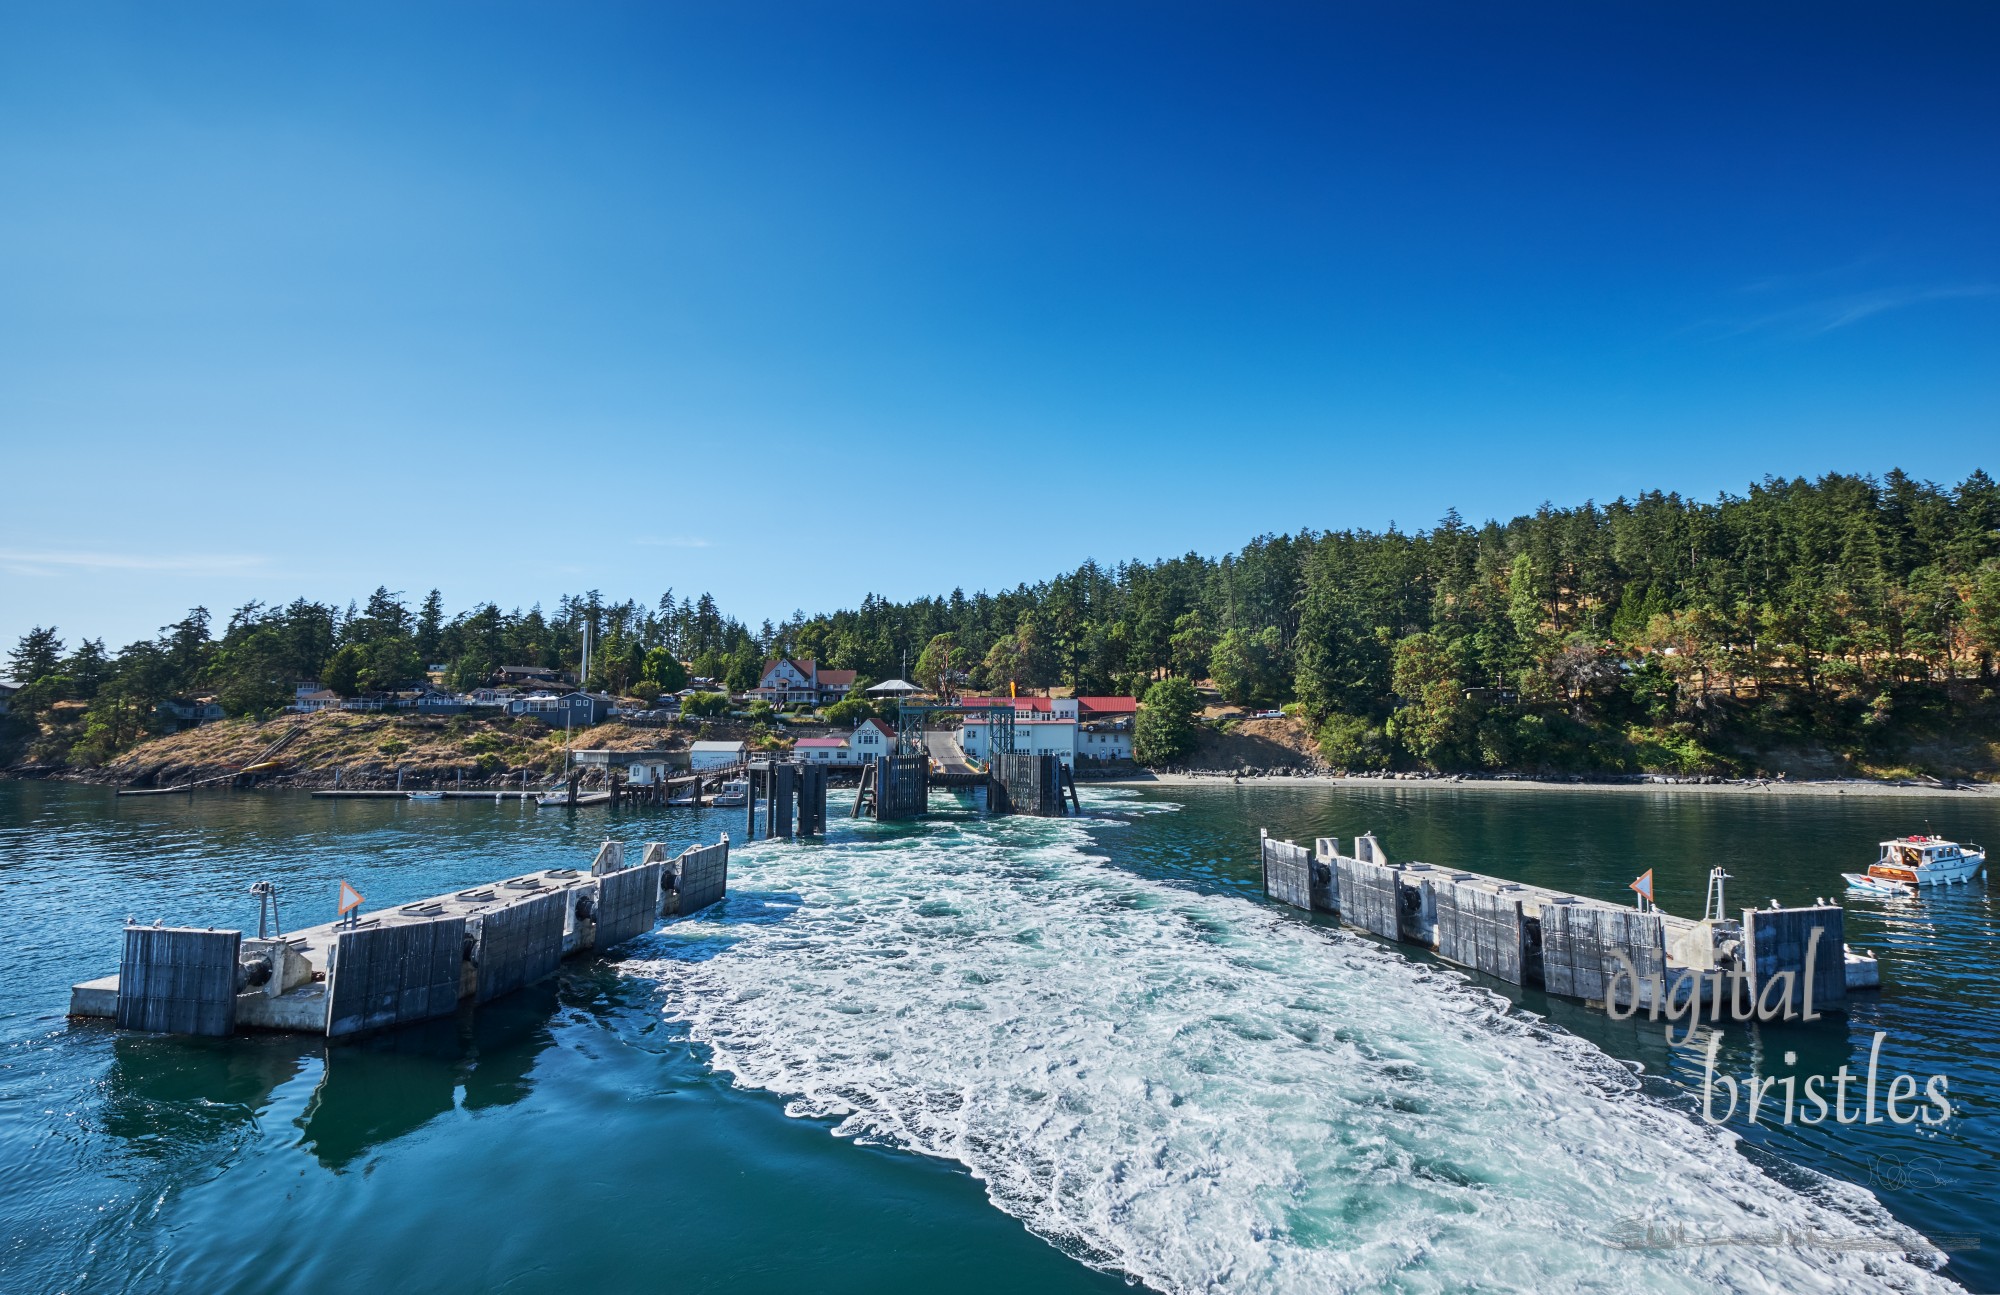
x=384, y=1086
x=167, y=1097
x=164, y=1094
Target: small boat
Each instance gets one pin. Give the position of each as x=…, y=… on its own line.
x=426, y=795
x=692, y=796
x=1909, y=863
x=734, y=794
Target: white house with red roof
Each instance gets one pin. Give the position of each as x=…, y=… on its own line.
x=823, y=750
x=786, y=682
x=871, y=737
x=1104, y=727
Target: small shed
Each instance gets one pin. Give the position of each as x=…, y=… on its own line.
x=717, y=755
x=642, y=768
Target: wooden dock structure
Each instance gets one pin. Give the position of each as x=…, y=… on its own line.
x=398, y=965
x=1605, y=954
x=794, y=799
x=1038, y=784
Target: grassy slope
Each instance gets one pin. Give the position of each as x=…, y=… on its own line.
x=374, y=746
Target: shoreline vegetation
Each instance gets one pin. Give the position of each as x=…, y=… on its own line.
x=1825, y=630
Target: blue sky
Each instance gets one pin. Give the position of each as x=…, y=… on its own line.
x=522, y=299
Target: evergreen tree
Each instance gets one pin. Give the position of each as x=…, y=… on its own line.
x=38, y=653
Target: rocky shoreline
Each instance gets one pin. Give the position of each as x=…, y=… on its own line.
x=1323, y=777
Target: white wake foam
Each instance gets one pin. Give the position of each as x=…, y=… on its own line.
x=1206, y=1094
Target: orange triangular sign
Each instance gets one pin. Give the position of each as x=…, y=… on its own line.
x=350, y=899
x=1645, y=884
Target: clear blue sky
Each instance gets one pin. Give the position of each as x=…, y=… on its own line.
x=520, y=299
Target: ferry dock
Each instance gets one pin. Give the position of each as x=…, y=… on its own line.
x=1793, y=960
x=395, y=966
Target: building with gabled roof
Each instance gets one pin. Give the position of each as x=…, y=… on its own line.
x=788, y=682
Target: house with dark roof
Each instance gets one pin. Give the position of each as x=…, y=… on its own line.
x=531, y=675
x=559, y=710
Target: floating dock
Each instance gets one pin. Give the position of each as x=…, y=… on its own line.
x=398, y=965
x=1795, y=960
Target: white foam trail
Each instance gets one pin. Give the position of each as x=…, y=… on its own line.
x=1206, y=1094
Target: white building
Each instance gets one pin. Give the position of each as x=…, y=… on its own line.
x=642, y=768
x=1087, y=728
x=717, y=755
x=871, y=738
x=1104, y=740
x=1105, y=731
x=832, y=751
x=792, y=683
x=1041, y=724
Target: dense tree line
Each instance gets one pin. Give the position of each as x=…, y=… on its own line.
x=1593, y=636
x=1587, y=637
x=253, y=666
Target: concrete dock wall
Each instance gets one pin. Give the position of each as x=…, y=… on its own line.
x=1480, y=925
x=698, y=878
x=178, y=980
x=519, y=944
x=1779, y=940
x=1567, y=944
x=394, y=975
x=1368, y=897
x=1416, y=904
x=399, y=965
x=628, y=904
x=1287, y=872
x=1580, y=941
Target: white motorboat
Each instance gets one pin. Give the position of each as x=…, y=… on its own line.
x=734, y=794
x=1909, y=863
x=426, y=795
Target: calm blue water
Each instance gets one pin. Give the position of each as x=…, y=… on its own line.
x=1055, y=1055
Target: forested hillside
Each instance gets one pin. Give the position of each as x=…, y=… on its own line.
x=1852, y=618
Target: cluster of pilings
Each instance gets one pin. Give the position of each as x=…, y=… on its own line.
x=1037, y=784
x=896, y=787
x=794, y=796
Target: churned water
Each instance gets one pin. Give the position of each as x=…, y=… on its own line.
x=1056, y=1055
x=1196, y=1090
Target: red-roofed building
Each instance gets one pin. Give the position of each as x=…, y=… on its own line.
x=1087, y=728
x=871, y=738
x=822, y=750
